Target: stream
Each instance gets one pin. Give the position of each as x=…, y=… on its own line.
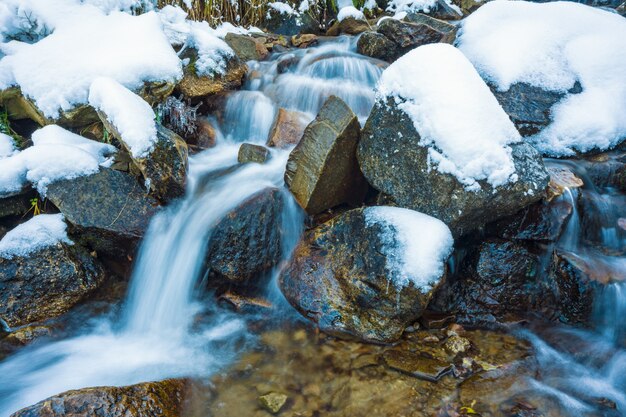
x=156, y=332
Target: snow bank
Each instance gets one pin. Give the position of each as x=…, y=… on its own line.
x=7, y=146
x=130, y=114
x=414, y=244
x=40, y=232
x=415, y=6
x=350, y=11
x=282, y=8
x=213, y=52
x=56, y=154
x=553, y=45
x=455, y=114
x=85, y=43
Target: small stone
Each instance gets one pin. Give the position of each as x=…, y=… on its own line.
x=431, y=339
x=421, y=366
x=457, y=344
x=273, y=401
x=364, y=361
x=249, y=152
x=246, y=47
x=287, y=129
x=561, y=179
x=304, y=41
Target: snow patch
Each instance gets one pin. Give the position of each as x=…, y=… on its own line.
x=85, y=44
x=350, y=11
x=130, y=114
x=415, y=6
x=282, y=8
x=457, y=117
x=416, y=245
x=7, y=146
x=56, y=154
x=40, y=232
x=555, y=45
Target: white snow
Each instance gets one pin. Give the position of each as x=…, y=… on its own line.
x=213, y=52
x=56, y=154
x=415, y=6
x=350, y=11
x=553, y=45
x=40, y=232
x=456, y=115
x=416, y=245
x=7, y=146
x=282, y=8
x=127, y=112
x=85, y=43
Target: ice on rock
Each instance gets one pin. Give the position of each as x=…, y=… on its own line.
x=84, y=44
x=553, y=45
x=40, y=232
x=131, y=115
x=56, y=154
x=457, y=117
x=416, y=245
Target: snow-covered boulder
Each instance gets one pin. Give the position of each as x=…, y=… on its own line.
x=283, y=19
x=557, y=46
x=159, y=154
x=107, y=212
x=437, y=141
x=368, y=273
x=42, y=273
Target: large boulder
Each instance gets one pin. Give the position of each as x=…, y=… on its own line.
x=247, y=241
x=149, y=399
x=394, y=162
x=194, y=86
x=108, y=211
x=46, y=283
x=322, y=171
x=368, y=273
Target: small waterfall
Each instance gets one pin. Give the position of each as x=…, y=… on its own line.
x=248, y=117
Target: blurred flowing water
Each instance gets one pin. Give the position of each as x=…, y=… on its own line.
x=155, y=336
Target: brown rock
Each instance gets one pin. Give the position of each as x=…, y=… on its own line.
x=287, y=129
x=348, y=26
x=561, y=178
x=322, y=171
x=304, y=41
x=194, y=86
x=249, y=152
x=246, y=47
x=421, y=366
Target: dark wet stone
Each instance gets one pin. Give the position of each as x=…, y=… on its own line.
x=249, y=152
x=442, y=10
x=322, y=171
x=247, y=241
x=338, y=278
x=377, y=45
x=149, y=399
x=289, y=25
x=394, y=162
x=529, y=107
x=46, y=283
x=16, y=204
x=107, y=211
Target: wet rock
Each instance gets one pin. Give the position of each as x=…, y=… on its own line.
x=194, y=86
x=46, y=283
x=246, y=47
x=606, y=170
x=322, y=171
x=107, y=211
x=577, y=282
x=205, y=136
x=289, y=25
x=339, y=278
x=304, y=41
x=418, y=365
x=273, y=401
x=272, y=40
x=377, y=45
x=287, y=129
x=249, y=152
x=410, y=35
x=561, y=178
x=528, y=106
x=442, y=10
x=247, y=241
x=149, y=399
x=348, y=26
x=394, y=163
x=457, y=344
x=497, y=281
x=540, y=222
x=468, y=6
x=23, y=336
x=244, y=303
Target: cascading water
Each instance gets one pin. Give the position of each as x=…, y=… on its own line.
x=154, y=337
